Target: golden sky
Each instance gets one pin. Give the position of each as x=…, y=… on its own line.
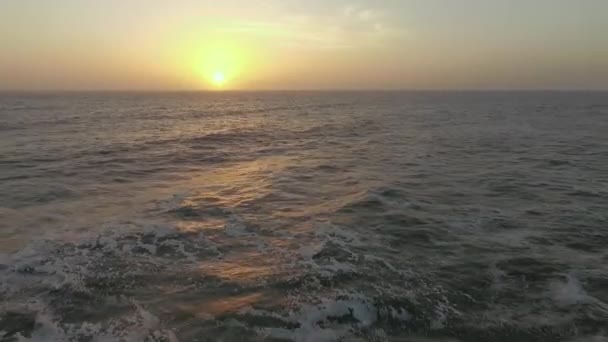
x=314, y=44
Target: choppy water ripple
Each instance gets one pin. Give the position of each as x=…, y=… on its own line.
x=304, y=217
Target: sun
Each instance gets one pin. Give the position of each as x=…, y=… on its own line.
x=219, y=63
x=219, y=78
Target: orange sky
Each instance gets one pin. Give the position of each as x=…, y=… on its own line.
x=272, y=44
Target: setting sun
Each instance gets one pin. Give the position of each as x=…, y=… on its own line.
x=221, y=62
x=219, y=78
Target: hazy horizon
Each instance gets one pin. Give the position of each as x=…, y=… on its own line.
x=310, y=90
x=272, y=45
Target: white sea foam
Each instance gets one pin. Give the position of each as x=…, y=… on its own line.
x=568, y=292
x=140, y=326
x=316, y=321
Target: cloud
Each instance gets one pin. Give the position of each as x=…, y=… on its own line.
x=343, y=27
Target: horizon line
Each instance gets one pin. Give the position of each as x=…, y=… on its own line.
x=319, y=90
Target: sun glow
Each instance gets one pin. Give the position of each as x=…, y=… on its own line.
x=219, y=78
x=221, y=63
x=217, y=61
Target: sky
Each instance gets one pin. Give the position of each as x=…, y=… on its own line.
x=308, y=44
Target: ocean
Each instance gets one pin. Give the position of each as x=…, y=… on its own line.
x=304, y=216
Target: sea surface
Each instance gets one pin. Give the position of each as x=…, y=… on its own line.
x=304, y=216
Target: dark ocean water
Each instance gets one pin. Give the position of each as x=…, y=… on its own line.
x=385, y=216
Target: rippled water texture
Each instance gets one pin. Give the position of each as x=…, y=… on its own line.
x=304, y=217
